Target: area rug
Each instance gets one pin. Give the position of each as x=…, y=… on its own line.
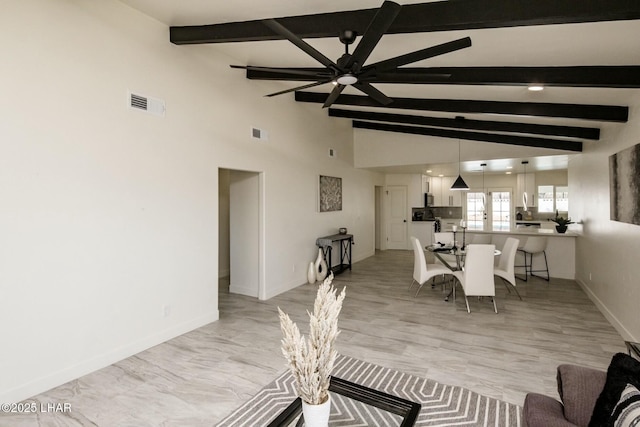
x=442, y=405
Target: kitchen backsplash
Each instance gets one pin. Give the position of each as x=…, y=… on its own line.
x=447, y=211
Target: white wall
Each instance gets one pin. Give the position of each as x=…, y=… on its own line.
x=376, y=149
x=607, y=252
x=109, y=216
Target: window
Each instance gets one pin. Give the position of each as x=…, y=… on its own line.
x=500, y=210
x=562, y=199
x=475, y=211
x=552, y=198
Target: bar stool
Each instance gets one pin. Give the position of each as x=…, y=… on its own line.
x=534, y=245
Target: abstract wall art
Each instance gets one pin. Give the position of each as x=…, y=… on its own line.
x=624, y=184
x=330, y=193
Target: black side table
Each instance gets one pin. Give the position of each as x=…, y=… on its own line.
x=344, y=244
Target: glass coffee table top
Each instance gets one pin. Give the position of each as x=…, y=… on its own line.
x=354, y=404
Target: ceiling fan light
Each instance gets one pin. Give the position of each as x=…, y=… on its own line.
x=459, y=184
x=347, y=79
x=535, y=88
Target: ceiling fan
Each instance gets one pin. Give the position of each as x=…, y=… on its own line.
x=349, y=69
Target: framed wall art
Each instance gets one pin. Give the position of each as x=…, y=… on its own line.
x=624, y=184
x=330, y=193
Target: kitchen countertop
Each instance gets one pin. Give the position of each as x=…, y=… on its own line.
x=549, y=232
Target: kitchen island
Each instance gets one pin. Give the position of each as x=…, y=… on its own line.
x=561, y=249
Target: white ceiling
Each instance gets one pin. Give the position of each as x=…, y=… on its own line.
x=602, y=43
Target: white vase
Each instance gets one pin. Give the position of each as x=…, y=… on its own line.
x=311, y=273
x=320, y=266
x=316, y=415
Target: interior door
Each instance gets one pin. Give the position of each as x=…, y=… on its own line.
x=397, y=233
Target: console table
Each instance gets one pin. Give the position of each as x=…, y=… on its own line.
x=344, y=244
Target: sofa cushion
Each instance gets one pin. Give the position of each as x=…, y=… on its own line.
x=627, y=411
x=623, y=370
x=543, y=411
x=579, y=388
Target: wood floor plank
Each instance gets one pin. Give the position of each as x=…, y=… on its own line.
x=198, y=378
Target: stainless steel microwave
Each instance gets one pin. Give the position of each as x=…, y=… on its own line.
x=428, y=199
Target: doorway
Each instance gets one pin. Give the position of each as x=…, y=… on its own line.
x=240, y=247
x=397, y=234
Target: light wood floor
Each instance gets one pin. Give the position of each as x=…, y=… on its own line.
x=198, y=378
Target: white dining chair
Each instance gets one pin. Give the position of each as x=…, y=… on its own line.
x=506, y=265
x=476, y=278
x=422, y=271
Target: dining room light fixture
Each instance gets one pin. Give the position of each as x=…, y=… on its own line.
x=525, y=198
x=459, y=184
x=483, y=199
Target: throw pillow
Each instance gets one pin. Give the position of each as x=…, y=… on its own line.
x=627, y=411
x=622, y=370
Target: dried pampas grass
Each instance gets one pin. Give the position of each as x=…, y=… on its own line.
x=311, y=361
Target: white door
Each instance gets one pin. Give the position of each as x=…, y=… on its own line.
x=397, y=235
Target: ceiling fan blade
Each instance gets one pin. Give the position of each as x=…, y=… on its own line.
x=374, y=32
x=278, y=28
x=335, y=93
x=300, y=88
x=318, y=72
x=374, y=93
x=419, y=55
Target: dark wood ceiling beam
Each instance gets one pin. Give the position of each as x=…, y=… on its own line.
x=423, y=17
x=579, y=76
x=463, y=123
x=611, y=113
x=525, y=141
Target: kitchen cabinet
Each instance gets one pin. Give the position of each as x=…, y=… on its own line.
x=436, y=189
x=442, y=193
x=526, y=183
x=450, y=197
x=423, y=231
x=426, y=183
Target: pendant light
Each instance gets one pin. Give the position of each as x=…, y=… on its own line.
x=483, y=200
x=459, y=184
x=525, y=198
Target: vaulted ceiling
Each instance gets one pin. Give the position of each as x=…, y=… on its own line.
x=584, y=53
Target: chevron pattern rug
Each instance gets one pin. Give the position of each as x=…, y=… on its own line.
x=442, y=405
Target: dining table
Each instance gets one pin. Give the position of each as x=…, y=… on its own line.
x=439, y=250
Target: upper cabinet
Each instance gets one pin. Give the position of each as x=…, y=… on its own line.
x=426, y=184
x=442, y=194
x=527, y=184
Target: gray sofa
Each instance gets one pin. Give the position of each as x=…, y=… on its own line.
x=578, y=387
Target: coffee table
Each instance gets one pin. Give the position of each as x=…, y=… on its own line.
x=352, y=403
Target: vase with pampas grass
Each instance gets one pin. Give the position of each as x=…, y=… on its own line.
x=311, y=359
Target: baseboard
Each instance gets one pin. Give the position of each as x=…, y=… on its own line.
x=243, y=290
x=607, y=313
x=93, y=364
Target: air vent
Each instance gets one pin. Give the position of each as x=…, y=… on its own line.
x=257, y=133
x=147, y=104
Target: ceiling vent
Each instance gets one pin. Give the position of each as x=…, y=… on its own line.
x=146, y=104
x=257, y=133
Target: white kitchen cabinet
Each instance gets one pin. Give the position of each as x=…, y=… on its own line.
x=436, y=190
x=450, y=197
x=426, y=183
x=423, y=231
x=527, y=184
